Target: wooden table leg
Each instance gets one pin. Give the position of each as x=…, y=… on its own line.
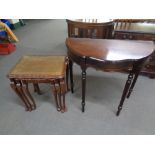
x=67, y=73
x=26, y=89
x=132, y=78
x=132, y=85
x=136, y=69
x=63, y=92
x=22, y=90
x=64, y=104
x=71, y=75
x=37, y=89
x=125, y=91
x=55, y=93
x=18, y=88
x=83, y=88
x=59, y=97
x=15, y=88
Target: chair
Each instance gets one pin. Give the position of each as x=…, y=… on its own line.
x=91, y=29
x=125, y=23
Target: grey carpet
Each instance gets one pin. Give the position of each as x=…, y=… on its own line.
x=102, y=98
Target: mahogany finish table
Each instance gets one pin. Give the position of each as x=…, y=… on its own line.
x=40, y=69
x=138, y=31
x=109, y=55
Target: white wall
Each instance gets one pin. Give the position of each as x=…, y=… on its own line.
x=14, y=21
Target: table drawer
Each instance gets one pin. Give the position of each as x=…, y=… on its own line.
x=150, y=66
x=149, y=37
x=130, y=36
x=152, y=58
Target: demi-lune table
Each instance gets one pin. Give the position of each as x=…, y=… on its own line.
x=109, y=55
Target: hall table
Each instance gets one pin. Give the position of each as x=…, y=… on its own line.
x=109, y=55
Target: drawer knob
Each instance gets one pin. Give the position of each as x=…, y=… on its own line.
x=124, y=36
x=147, y=66
x=130, y=37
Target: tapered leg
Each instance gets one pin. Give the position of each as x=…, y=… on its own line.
x=125, y=91
x=83, y=88
x=71, y=75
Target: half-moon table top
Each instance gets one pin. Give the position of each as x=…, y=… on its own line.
x=110, y=49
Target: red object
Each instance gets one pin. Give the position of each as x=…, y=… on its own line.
x=7, y=48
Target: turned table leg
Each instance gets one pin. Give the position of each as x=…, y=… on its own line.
x=130, y=83
x=125, y=91
x=136, y=70
x=83, y=88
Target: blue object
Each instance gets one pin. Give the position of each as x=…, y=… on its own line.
x=7, y=22
x=3, y=34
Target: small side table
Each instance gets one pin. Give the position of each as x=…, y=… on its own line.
x=40, y=69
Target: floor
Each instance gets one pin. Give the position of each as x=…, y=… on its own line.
x=43, y=37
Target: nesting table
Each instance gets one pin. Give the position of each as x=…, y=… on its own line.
x=40, y=69
x=109, y=55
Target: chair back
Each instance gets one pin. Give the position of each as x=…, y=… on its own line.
x=125, y=23
x=90, y=29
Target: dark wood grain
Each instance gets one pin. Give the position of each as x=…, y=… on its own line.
x=91, y=28
x=138, y=31
x=110, y=55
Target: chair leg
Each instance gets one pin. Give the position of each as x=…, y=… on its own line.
x=125, y=91
x=71, y=75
